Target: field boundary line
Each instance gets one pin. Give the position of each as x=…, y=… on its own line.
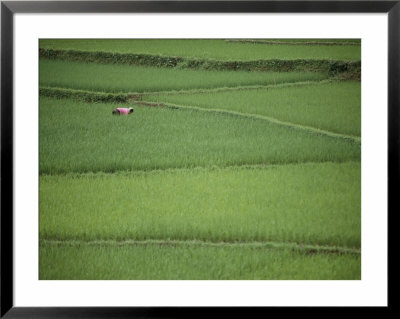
x=277, y=42
x=308, y=248
x=311, y=129
x=191, y=169
x=239, y=88
x=126, y=97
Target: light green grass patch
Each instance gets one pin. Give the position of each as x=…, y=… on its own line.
x=315, y=204
x=207, y=49
x=185, y=262
x=83, y=137
x=334, y=106
x=122, y=78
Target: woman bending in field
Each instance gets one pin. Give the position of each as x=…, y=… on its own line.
x=122, y=110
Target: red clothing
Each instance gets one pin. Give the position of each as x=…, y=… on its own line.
x=123, y=110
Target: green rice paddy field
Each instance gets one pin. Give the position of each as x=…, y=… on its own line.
x=211, y=49
x=217, y=175
x=132, y=79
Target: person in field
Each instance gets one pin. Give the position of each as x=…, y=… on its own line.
x=122, y=110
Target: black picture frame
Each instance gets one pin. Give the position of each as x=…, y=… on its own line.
x=9, y=8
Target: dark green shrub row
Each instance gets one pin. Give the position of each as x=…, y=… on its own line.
x=331, y=66
x=86, y=96
x=346, y=70
x=110, y=58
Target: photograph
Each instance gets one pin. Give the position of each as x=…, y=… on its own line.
x=199, y=159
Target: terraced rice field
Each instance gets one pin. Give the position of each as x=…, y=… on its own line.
x=212, y=49
x=122, y=78
x=218, y=174
x=333, y=107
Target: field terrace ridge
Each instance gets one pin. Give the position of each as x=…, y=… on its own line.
x=350, y=69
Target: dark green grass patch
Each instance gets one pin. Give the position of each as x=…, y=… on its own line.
x=154, y=262
x=318, y=204
x=206, y=49
x=82, y=137
x=334, y=106
x=120, y=78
